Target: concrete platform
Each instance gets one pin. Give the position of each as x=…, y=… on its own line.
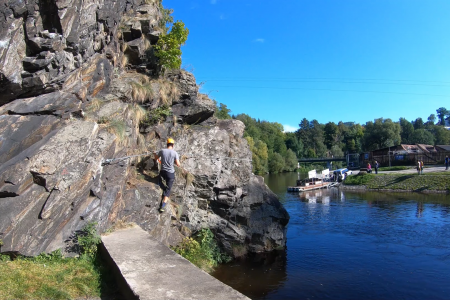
x=153, y=271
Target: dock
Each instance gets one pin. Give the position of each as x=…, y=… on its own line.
x=310, y=187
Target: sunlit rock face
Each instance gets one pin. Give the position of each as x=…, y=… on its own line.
x=79, y=85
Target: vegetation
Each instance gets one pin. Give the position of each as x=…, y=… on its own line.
x=88, y=240
x=168, y=47
x=51, y=276
x=157, y=115
x=222, y=111
x=202, y=250
x=395, y=168
x=410, y=182
x=270, y=145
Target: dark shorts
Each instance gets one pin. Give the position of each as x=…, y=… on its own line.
x=169, y=178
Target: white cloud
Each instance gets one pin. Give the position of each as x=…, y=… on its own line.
x=259, y=40
x=289, y=128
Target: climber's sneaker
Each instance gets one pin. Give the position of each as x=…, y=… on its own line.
x=162, y=208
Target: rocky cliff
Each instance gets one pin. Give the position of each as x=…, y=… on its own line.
x=81, y=100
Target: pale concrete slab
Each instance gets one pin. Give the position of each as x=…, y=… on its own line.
x=153, y=271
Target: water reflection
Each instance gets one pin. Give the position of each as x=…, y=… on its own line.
x=352, y=245
x=257, y=276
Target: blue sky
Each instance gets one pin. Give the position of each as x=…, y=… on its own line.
x=329, y=60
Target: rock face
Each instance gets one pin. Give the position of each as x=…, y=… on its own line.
x=78, y=87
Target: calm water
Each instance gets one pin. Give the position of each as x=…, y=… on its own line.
x=347, y=245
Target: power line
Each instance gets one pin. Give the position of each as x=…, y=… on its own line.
x=330, y=90
x=333, y=81
x=324, y=78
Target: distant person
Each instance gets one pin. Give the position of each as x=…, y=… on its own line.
x=418, y=167
x=421, y=167
x=446, y=162
x=376, y=167
x=168, y=157
x=369, y=168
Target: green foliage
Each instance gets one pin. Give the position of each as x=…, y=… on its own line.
x=360, y=179
x=290, y=161
x=168, y=46
x=276, y=163
x=381, y=133
x=422, y=136
x=259, y=155
x=312, y=134
x=49, y=276
x=158, y=115
x=222, y=112
x=88, y=240
x=442, y=113
x=202, y=250
x=407, y=129
x=395, y=168
x=166, y=17
x=428, y=182
x=441, y=135
x=418, y=123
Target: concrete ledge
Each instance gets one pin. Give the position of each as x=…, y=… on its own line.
x=153, y=271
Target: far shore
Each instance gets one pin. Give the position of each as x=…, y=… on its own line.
x=435, y=179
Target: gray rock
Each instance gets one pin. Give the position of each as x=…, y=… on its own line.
x=57, y=103
x=60, y=78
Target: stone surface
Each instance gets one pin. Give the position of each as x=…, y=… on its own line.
x=153, y=271
x=72, y=99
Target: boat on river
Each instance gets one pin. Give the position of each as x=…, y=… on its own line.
x=313, y=182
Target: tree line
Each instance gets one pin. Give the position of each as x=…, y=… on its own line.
x=276, y=151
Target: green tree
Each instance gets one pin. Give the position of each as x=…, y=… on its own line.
x=294, y=143
x=431, y=119
x=168, y=46
x=442, y=112
x=422, y=136
x=312, y=134
x=441, y=135
x=407, y=129
x=222, y=111
x=418, y=123
x=290, y=161
x=330, y=134
x=276, y=163
x=336, y=151
x=381, y=133
x=259, y=155
x=353, y=137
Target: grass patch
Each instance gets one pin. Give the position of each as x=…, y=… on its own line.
x=396, y=168
x=51, y=276
x=402, y=182
x=202, y=250
x=360, y=179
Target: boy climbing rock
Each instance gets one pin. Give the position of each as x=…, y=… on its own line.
x=168, y=158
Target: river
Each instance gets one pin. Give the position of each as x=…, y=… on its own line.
x=352, y=245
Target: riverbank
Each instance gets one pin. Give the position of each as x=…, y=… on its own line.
x=429, y=182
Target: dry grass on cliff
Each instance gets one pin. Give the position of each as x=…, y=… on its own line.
x=137, y=113
x=168, y=91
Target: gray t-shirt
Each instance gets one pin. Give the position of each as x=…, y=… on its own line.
x=168, y=157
